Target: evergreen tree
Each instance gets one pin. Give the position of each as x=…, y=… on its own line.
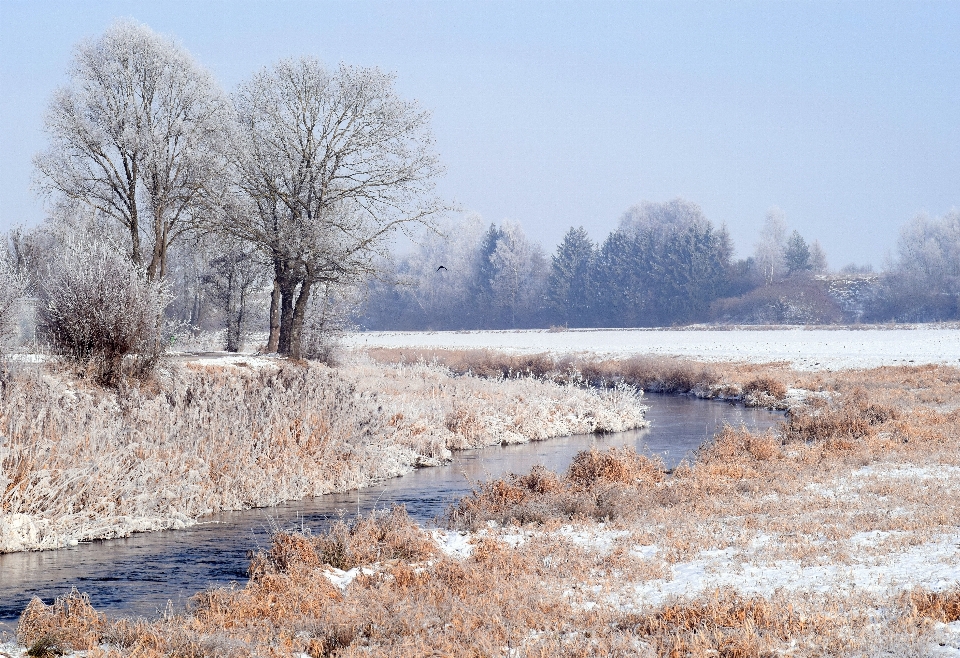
x=796, y=254
x=664, y=265
x=570, y=285
x=482, y=289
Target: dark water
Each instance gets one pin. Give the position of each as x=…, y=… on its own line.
x=137, y=576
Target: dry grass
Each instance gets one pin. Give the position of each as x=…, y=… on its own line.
x=80, y=462
x=755, y=385
x=727, y=556
x=598, y=485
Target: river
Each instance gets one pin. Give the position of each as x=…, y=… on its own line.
x=139, y=575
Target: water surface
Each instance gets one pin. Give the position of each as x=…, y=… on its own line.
x=139, y=575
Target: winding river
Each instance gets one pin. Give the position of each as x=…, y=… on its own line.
x=139, y=575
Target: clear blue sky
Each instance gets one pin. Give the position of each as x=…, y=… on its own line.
x=844, y=114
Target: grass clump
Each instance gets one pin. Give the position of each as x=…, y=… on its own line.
x=383, y=535
x=942, y=606
x=69, y=624
x=600, y=485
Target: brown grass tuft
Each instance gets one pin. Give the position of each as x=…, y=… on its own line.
x=622, y=465
x=942, y=606
x=70, y=624
x=601, y=485
x=378, y=537
x=765, y=385
x=736, y=444
x=720, y=624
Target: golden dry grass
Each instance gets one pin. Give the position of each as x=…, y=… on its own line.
x=860, y=477
x=80, y=462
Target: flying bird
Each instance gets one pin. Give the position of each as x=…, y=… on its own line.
x=441, y=268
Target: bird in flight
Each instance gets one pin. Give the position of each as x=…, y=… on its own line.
x=441, y=268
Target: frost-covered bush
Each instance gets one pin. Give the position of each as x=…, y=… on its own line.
x=101, y=312
x=11, y=289
x=328, y=316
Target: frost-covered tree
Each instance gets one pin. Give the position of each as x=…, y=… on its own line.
x=233, y=275
x=330, y=163
x=924, y=282
x=12, y=284
x=769, y=254
x=439, y=277
x=570, y=288
x=796, y=254
x=818, y=258
x=519, y=280
x=138, y=135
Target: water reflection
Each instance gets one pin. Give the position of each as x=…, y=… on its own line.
x=137, y=576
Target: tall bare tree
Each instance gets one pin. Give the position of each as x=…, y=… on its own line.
x=331, y=163
x=769, y=253
x=138, y=135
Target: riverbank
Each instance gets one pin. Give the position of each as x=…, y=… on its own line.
x=839, y=534
x=83, y=463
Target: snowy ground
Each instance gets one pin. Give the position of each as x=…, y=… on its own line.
x=805, y=349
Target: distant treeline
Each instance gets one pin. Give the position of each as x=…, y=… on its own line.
x=666, y=264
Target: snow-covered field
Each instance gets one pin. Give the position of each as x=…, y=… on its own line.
x=805, y=349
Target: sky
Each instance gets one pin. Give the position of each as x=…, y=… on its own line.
x=845, y=115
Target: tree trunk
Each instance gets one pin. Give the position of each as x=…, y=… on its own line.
x=299, y=314
x=273, y=343
x=288, y=290
x=155, y=269
x=233, y=315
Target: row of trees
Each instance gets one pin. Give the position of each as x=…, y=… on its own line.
x=665, y=264
x=304, y=172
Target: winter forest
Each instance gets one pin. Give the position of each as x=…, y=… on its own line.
x=665, y=265
x=175, y=208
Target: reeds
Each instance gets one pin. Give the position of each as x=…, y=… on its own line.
x=656, y=374
x=81, y=462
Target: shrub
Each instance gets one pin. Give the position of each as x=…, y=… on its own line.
x=11, y=288
x=797, y=300
x=765, y=385
x=100, y=311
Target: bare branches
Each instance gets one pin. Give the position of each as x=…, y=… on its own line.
x=330, y=164
x=138, y=135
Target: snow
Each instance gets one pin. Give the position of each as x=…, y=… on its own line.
x=805, y=349
x=946, y=641
x=934, y=564
x=454, y=544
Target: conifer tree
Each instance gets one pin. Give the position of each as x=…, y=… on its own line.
x=570, y=285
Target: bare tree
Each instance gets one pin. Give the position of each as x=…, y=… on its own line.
x=138, y=135
x=332, y=162
x=12, y=284
x=233, y=275
x=769, y=254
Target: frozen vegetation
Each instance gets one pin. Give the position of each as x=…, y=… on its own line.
x=82, y=463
